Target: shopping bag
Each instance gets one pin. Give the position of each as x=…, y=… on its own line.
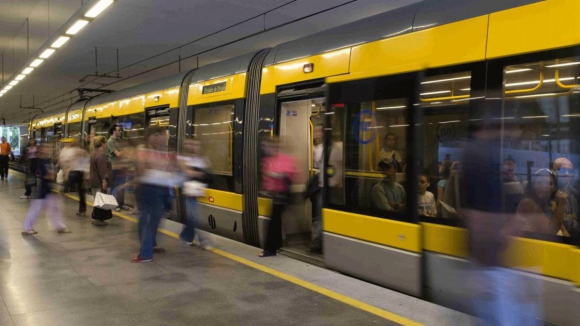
x=194, y=188
x=105, y=201
x=60, y=176
x=101, y=214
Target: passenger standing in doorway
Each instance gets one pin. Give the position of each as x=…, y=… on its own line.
x=389, y=154
x=5, y=151
x=156, y=173
x=100, y=176
x=45, y=201
x=195, y=166
x=278, y=173
x=114, y=152
x=30, y=159
x=316, y=195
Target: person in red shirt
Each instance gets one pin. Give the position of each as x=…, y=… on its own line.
x=278, y=173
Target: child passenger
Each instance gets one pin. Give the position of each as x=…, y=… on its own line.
x=426, y=200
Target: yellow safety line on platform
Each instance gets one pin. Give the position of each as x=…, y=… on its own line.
x=292, y=279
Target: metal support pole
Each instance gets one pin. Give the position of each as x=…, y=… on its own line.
x=96, y=63
x=118, y=63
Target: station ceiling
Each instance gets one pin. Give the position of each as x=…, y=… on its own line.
x=150, y=37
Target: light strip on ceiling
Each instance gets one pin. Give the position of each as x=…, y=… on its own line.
x=517, y=70
x=14, y=82
x=98, y=8
x=77, y=27
x=537, y=95
x=47, y=53
x=7, y=88
x=36, y=63
x=564, y=64
x=20, y=77
x=445, y=80
x=27, y=71
x=434, y=93
x=60, y=41
x=534, y=82
x=392, y=107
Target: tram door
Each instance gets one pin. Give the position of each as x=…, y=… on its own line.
x=298, y=120
x=159, y=117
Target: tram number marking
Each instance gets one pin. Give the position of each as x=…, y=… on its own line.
x=446, y=132
x=291, y=113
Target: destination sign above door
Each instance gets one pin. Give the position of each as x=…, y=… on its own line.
x=219, y=87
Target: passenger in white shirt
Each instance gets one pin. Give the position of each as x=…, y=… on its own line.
x=426, y=200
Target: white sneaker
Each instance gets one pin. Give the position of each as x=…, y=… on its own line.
x=24, y=197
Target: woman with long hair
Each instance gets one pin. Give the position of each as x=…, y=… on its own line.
x=100, y=177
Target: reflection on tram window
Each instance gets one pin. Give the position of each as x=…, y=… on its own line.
x=444, y=103
x=541, y=133
x=213, y=126
x=132, y=125
x=372, y=134
x=74, y=130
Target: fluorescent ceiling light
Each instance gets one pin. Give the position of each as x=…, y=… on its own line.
x=7, y=88
x=535, y=82
x=535, y=117
x=537, y=95
x=433, y=93
x=36, y=63
x=20, y=77
x=517, y=70
x=98, y=8
x=14, y=82
x=392, y=107
x=27, y=71
x=564, y=64
x=60, y=41
x=77, y=27
x=465, y=89
x=445, y=80
x=47, y=53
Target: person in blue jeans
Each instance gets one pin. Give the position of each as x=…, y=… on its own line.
x=156, y=172
x=195, y=166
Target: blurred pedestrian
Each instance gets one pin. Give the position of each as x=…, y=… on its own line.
x=30, y=162
x=115, y=152
x=45, y=201
x=100, y=176
x=75, y=159
x=156, y=172
x=5, y=153
x=278, y=173
x=195, y=167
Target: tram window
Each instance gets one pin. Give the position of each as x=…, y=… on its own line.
x=369, y=177
x=445, y=111
x=74, y=130
x=133, y=128
x=541, y=131
x=213, y=125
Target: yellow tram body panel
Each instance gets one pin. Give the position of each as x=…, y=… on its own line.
x=444, y=45
x=325, y=64
x=164, y=97
x=75, y=116
x=535, y=27
x=395, y=234
x=235, y=88
x=49, y=121
x=223, y=199
x=446, y=240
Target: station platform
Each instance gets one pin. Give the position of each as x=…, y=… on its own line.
x=86, y=278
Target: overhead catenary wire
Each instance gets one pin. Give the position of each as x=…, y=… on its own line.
x=201, y=52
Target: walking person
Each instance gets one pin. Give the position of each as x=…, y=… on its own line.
x=195, y=166
x=5, y=153
x=156, y=172
x=76, y=160
x=45, y=201
x=30, y=161
x=100, y=175
x=278, y=173
x=115, y=151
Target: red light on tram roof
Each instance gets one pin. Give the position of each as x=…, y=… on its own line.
x=308, y=68
x=211, y=200
x=338, y=105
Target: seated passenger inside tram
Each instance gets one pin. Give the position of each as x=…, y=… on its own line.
x=389, y=154
x=388, y=195
x=426, y=200
x=513, y=189
x=542, y=208
x=565, y=172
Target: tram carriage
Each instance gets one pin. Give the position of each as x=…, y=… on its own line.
x=431, y=73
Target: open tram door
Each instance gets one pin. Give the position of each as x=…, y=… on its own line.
x=300, y=112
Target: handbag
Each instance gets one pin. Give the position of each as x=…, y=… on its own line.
x=105, y=201
x=30, y=180
x=194, y=188
x=101, y=214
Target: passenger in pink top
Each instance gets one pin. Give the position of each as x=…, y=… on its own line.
x=278, y=173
